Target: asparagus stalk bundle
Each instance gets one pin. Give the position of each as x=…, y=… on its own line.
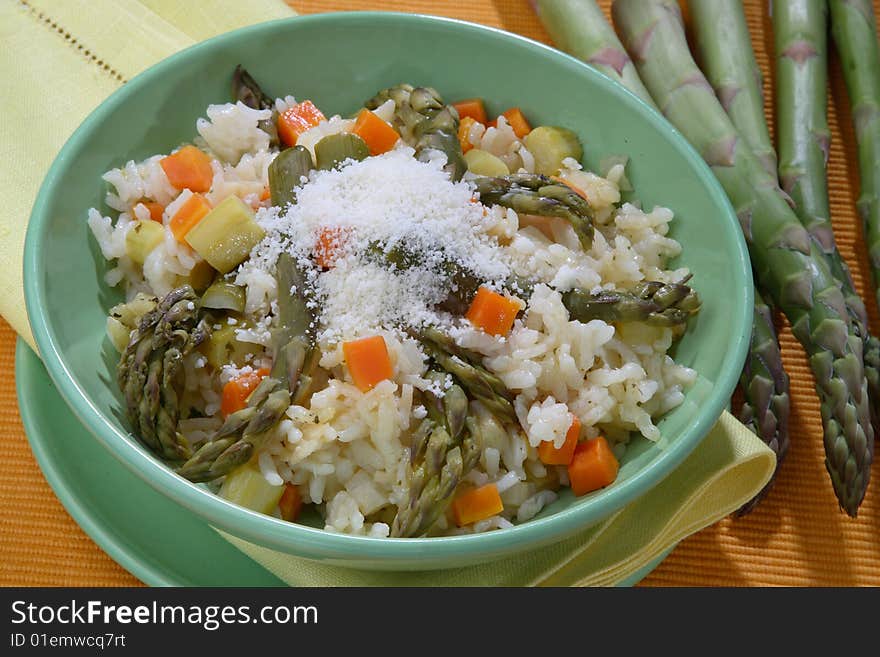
x=765, y=387
x=787, y=263
x=579, y=28
x=426, y=123
x=799, y=30
x=150, y=370
x=854, y=29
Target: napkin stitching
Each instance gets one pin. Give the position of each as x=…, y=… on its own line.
x=72, y=41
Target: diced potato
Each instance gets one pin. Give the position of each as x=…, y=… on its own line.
x=223, y=348
x=119, y=334
x=483, y=163
x=550, y=145
x=143, y=237
x=130, y=313
x=225, y=236
x=247, y=486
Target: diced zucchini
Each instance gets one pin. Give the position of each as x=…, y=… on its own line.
x=247, y=487
x=143, y=237
x=334, y=149
x=225, y=236
x=119, y=334
x=223, y=295
x=201, y=276
x=286, y=172
x=483, y=163
x=223, y=348
x=550, y=145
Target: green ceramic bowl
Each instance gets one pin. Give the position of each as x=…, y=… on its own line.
x=339, y=60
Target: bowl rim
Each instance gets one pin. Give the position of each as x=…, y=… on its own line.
x=311, y=542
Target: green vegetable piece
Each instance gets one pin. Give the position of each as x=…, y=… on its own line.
x=550, y=145
x=201, y=276
x=286, y=172
x=247, y=487
x=226, y=235
x=142, y=238
x=333, y=150
x=484, y=163
x=223, y=348
x=223, y=295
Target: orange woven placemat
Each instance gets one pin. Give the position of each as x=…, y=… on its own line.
x=797, y=536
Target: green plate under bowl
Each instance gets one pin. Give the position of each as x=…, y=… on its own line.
x=121, y=513
x=338, y=61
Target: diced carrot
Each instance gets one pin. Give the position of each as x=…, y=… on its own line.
x=296, y=119
x=189, y=168
x=477, y=504
x=290, y=503
x=550, y=455
x=237, y=391
x=492, y=312
x=464, y=128
x=577, y=190
x=155, y=209
x=378, y=135
x=328, y=246
x=368, y=361
x=266, y=194
x=594, y=466
x=517, y=121
x=188, y=215
x=472, y=107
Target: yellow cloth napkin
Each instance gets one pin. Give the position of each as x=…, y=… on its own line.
x=58, y=61
x=61, y=59
x=726, y=470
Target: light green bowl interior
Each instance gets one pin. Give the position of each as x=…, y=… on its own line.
x=338, y=61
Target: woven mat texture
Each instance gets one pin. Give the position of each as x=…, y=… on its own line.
x=796, y=537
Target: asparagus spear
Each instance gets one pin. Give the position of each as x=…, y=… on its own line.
x=854, y=29
x=149, y=371
x=726, y=56
x=445, y=448
x=246, y=90
x=786, y=261
x=295, y=359
x=579, y=28
x=657, y=304
x=799, y=29
x=530, y=193
x=425, y=123
x=765, y=388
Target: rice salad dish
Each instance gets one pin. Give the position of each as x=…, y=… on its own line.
x=413, y=321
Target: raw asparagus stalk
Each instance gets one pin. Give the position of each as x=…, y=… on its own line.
x=766, y=391
x=854, y=29
x=799, y=30
x=150, y=370
x=726, y=57
x=425, y=123
x=786, y=261
x=530, y=193
x=245, y=431
x=579, y=28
